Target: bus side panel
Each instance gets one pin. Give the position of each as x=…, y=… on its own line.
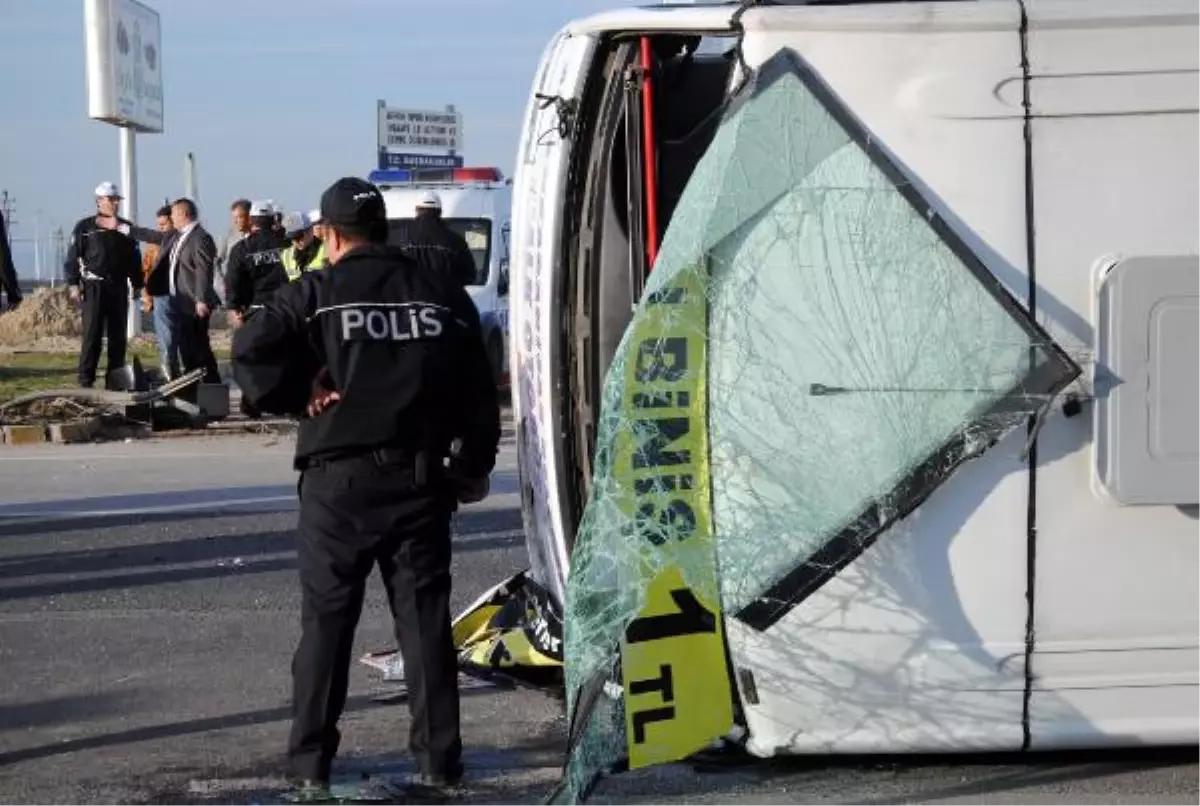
x=918, y=645
x=534, y=355
x=1114, y=142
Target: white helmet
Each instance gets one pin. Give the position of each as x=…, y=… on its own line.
x=429, y=200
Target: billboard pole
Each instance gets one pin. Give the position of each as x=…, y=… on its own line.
x=123, y=48
x=133, y=322
x=129, y=172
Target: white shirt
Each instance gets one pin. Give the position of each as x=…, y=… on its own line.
x=183, y=234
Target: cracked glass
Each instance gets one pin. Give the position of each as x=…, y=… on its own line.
x=857, y=353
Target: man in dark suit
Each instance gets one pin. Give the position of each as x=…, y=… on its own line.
x=190, y=255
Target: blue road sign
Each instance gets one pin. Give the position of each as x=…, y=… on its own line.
x=389, y=160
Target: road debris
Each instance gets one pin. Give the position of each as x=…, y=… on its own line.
x=512, y=634
x=82, y=415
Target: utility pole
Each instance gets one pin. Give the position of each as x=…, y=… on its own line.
x=189, y=178
x=37, y=247
x=58, y=252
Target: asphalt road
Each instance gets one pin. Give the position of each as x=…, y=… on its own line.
x=149, y=609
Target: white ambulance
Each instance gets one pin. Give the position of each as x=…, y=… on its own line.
x=930, y=370
x=476, y=203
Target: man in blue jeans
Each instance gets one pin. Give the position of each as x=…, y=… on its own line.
x=157, y=298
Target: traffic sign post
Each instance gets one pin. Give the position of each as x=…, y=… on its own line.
x=419, y=138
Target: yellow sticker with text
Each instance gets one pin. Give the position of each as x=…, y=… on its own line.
x=678, y=695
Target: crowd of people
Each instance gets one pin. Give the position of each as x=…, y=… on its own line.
x=183, y=276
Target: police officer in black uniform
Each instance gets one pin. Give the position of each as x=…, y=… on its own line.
x=100, y=263
x=8, y=272
x=436, y=247
x=385, y=365
x=255, y=269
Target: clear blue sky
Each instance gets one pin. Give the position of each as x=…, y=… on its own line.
x=276, y=98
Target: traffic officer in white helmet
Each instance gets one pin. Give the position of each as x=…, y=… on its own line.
x=307, y=252
x=433, y=245
x=100, y=268
x=314, y=217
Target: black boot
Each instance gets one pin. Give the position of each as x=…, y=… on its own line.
x=249, y=411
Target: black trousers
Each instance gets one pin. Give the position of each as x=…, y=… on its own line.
x=195, y=349
x=105, y=308
x=356, y=514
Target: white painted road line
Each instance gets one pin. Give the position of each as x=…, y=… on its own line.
x=16, y=514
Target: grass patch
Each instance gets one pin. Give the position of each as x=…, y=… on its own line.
x=25, y=372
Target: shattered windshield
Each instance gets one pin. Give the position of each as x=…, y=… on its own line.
x=815, y=353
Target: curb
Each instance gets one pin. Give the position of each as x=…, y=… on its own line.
x=238, y=427
x=94, y=430
x=80, y=431
x=24, y=434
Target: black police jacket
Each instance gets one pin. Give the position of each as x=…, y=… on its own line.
x=104, y=254
x=255, y=270
x=436, y=247
x=8, y=272
x=403, y=347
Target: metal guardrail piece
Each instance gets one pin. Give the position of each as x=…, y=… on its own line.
x=109, y=397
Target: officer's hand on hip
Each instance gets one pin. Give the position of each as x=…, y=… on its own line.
x=321, y=402
x=471, y=491
x=322, y=395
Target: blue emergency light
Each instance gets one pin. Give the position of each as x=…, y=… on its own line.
x=389, y=176
x=396, y=176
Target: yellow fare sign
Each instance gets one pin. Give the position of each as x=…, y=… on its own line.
x=678, y=696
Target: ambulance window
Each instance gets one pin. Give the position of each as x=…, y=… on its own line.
x=477, y=232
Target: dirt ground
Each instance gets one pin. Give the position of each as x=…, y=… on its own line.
x=46, y=314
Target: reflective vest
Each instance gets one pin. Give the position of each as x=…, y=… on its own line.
x=293, y=268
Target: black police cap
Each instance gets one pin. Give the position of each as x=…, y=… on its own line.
x=352, y=201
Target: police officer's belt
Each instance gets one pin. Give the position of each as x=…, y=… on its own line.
x=418, y=461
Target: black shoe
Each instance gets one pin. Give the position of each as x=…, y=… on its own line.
x=249, y=411
x=85, y=384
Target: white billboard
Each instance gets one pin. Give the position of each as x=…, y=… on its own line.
x=419, y=130
x=124, y=64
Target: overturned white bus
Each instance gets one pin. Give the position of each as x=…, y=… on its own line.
x=855, y=371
